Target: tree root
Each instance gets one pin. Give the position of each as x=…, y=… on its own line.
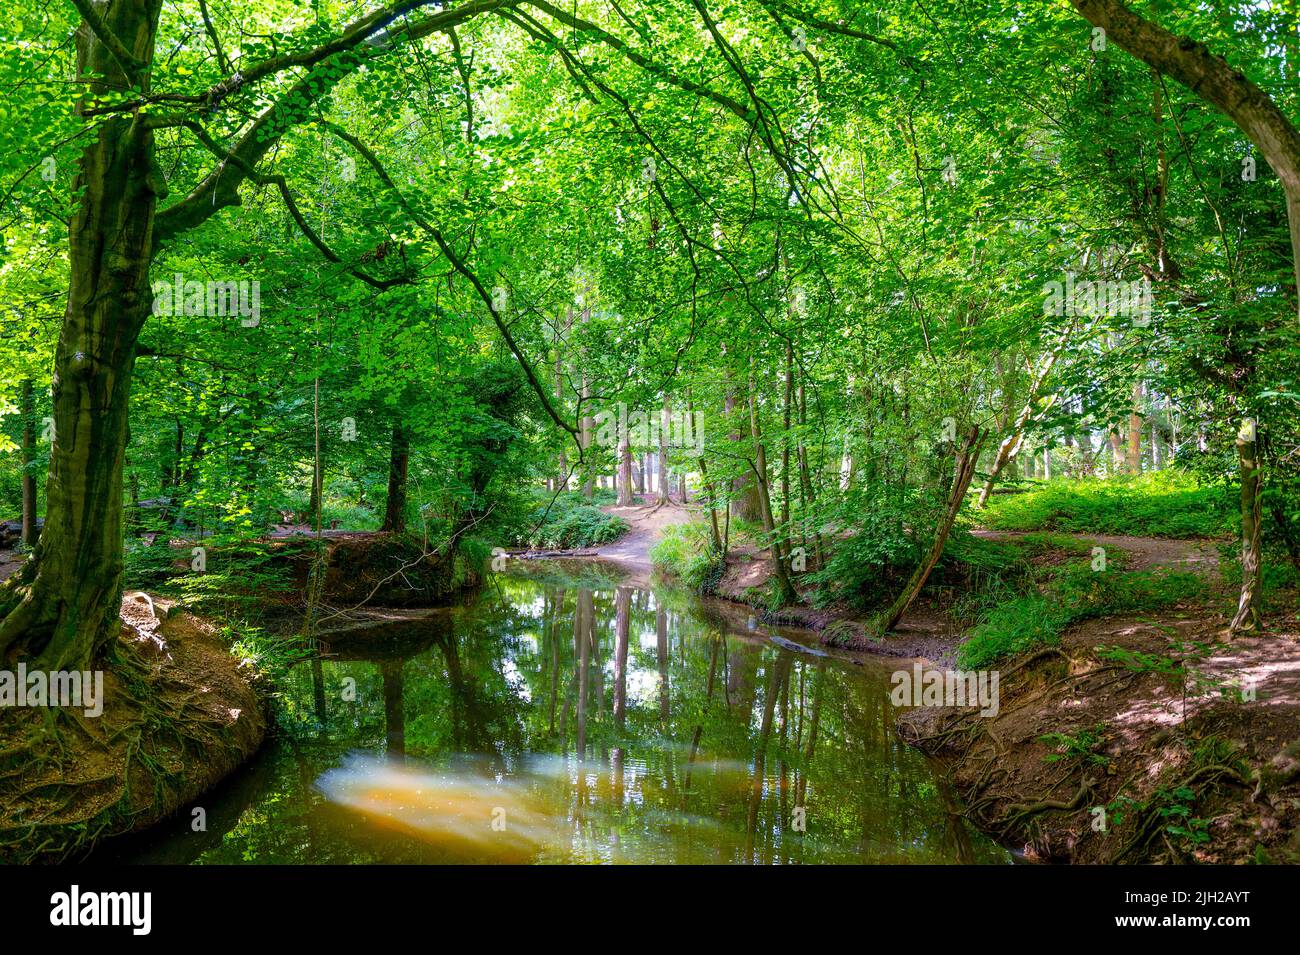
x=1021, y=811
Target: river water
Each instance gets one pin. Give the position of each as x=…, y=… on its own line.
x=559, y=720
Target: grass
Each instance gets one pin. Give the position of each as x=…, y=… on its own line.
x=685, y=553
x=1037, y=618
x=1160, y=504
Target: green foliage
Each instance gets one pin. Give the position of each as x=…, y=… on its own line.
x=242, y=576
x=270, y=656
x=685, y=553
x=1037, y=619
x=568, y=522
x=1159, y=504
x=863, y=568
x=1081, y=746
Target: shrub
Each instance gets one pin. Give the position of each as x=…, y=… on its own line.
x=685, y=552
x=863, y=569
x=569, y=522
x=1038, y=618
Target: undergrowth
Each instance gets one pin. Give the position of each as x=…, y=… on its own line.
x=1038, y=617
x=567, y=522
x=1158, y=504
x=685, y=553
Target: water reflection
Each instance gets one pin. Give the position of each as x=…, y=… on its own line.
x=557, y=722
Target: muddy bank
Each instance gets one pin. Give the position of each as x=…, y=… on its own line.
x=1137, y=740
x=345, y=569
x=376, y=569
x=179, y=715
x=926, y=631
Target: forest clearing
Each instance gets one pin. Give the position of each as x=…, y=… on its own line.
x=765, y=432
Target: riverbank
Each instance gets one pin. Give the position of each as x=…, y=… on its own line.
x=1138, y=737
x=184, y=703
x=179, y=715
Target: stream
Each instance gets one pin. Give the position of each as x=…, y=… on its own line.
x=557, y=719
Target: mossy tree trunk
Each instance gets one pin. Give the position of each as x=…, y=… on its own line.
x=780, y=567
x=28, y=408
x=62, y=608
x=398, y=463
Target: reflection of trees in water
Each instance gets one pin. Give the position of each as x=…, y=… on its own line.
x=394, y=714
x=699, y=743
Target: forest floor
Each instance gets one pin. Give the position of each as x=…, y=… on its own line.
x=647, y=520
x=1178, y=743
x=1143, y=737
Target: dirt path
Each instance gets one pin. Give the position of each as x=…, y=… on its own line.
x=1201, y=556
x=647, y=521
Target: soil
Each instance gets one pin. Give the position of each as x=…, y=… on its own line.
x=374, y=568
x=1191, y=744
x=179, y=715
x=647, y=519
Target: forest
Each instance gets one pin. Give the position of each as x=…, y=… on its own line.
x=703, y=431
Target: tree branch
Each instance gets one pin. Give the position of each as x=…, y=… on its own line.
x=220, y=188
x=369, y=156
x=130, y=65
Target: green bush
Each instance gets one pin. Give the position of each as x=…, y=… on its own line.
x=685, y=552
x=570, y=521
x=1159, y=504
x=865, y=569
x=1038, y=618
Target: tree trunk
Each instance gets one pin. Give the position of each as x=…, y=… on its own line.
x=1011, y=445
x=1214, y=81
x=785, y=437
x=744, y=501
x=1247, y=617
x=962, y=476
x=665, y=482
x=624, y=469
x=28, y=407
x=62, y=607
x=781, y=571
x=398, y=462
x=587, y=439
x=711, y=493
x=561, y=480
x=1133, y=454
